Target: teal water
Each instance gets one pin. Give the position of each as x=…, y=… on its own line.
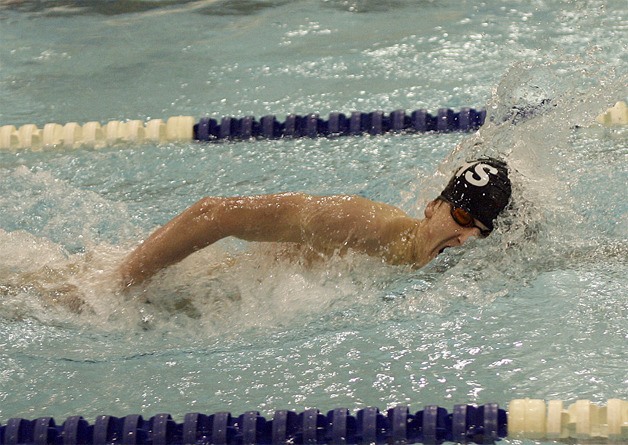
x=536, y=310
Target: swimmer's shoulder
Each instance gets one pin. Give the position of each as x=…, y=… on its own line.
x=401, y=241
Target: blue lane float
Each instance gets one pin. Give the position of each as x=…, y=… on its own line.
x=432, y=425
x=338, y=124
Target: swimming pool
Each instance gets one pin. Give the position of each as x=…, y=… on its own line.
x=537, y=310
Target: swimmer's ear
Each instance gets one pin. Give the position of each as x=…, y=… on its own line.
x=429, y=210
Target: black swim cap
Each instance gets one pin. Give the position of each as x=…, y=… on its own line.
x=480, y=187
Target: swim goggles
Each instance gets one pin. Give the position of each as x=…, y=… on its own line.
x=465, y=219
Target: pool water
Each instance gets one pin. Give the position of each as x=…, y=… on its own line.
x=536, y=310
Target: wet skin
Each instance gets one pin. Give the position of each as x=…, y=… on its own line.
x=324, y=225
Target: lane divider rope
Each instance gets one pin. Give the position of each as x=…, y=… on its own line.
x=186, y=128
x=526, y=419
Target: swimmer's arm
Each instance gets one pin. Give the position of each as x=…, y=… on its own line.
x=255, y=218
x=324, y=223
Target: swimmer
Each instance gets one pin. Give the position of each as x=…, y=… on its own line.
x=477, y=193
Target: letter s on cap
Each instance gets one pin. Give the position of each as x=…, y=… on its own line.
x=480, y=178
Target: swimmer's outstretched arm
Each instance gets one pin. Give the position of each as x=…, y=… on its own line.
x=324, y=223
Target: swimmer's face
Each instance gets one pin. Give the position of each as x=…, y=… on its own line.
x=448, y=227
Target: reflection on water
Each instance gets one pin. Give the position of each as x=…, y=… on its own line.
x=68, y=8
x=209, y=7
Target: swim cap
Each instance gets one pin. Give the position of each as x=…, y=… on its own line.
x=480, y=187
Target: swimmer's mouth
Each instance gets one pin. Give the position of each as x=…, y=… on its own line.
x=445, y=245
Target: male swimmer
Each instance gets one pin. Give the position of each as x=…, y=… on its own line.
x=477, y=193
